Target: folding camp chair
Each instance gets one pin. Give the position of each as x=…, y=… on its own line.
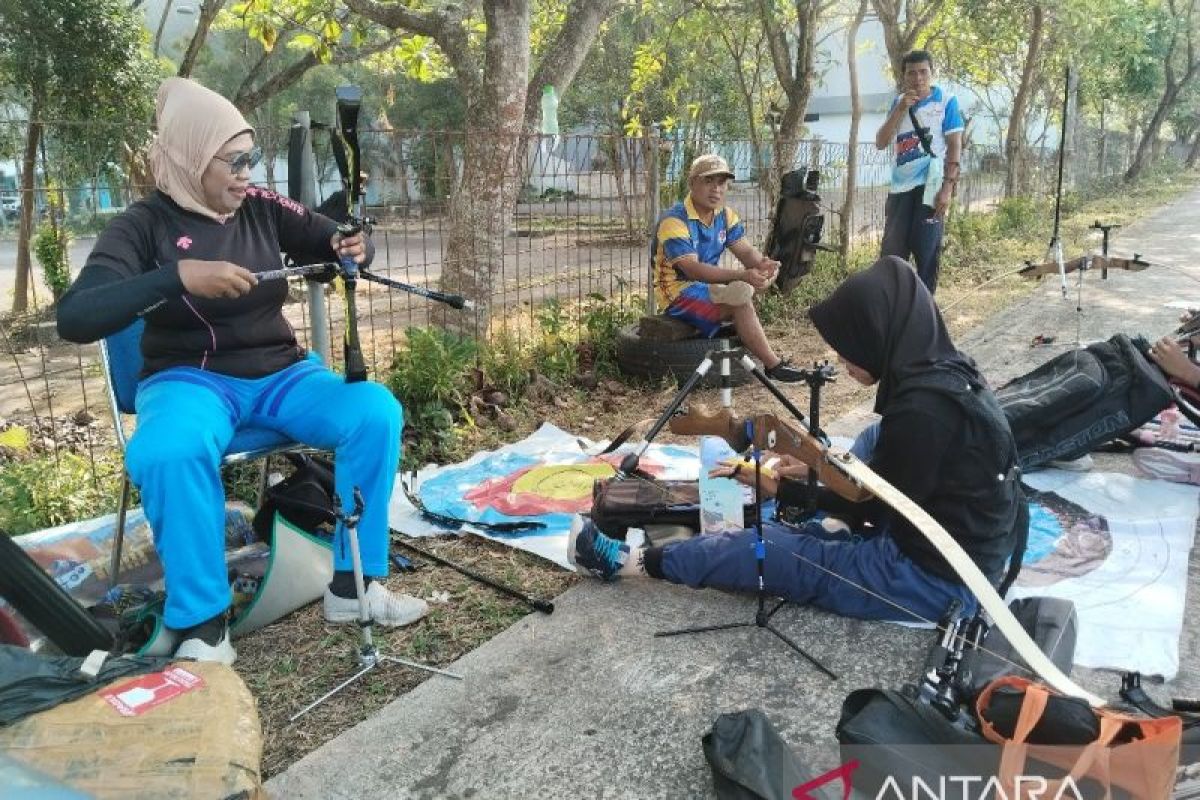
x=121, y=357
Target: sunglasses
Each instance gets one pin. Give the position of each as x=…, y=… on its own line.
x=247, y=159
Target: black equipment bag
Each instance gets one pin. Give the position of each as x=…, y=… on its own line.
x=796, y=227
x=1051, y=623
x=751, y=761
x=304, y=498
x=1081, y=399
x=895, y=737
x=618, y=505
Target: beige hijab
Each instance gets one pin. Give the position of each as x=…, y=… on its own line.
x=193, y=124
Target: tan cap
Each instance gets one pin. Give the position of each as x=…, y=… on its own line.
x=710, y=164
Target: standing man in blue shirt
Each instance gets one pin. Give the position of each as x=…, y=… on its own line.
x=926, y=168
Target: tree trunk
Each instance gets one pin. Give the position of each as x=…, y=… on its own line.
x=566, y=54
x=795, y=77
x=208, y=12
x=33, y=136
x=846, y=234
x=903, y=22
x=479, y=206
x=1194, y=155
x=1142, y=155
x=1014, y=141
x=162, y=25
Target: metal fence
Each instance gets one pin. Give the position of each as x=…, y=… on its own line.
x=584, y=206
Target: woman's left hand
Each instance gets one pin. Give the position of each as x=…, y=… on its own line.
x=353, y=247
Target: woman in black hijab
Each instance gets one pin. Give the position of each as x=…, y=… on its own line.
x=942, y=440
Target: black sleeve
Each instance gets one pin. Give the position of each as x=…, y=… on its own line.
x=101, y=302
x=334, y=207
x=120, y=281
x=795, y=493
x=913, y=441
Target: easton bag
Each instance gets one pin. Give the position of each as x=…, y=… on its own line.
x=618, y=505
x=1081, y=399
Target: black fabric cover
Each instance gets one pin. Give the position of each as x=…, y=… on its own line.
x=1081, y=399
x=894, y=736
x=30, y=683
x=751, y=761
x=304, y=498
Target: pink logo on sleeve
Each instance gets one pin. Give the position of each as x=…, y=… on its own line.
x=184, y=242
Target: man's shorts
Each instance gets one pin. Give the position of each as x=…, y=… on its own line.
x=699, y=304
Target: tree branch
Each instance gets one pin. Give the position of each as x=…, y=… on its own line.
x=247, y=100
x=781, y=58
x=566, y=54
x=444, y=25
x=208, y=12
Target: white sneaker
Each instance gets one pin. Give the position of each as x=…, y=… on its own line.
x=1081, y=464
x=199, y=650
x=386, y=608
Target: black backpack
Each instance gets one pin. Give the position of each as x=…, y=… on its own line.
x=796, y=228
x=1076, y=401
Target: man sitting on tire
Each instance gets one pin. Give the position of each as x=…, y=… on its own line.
x=691, y=237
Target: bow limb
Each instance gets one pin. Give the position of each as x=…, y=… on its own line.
x=972, y=578
x=1104, y=263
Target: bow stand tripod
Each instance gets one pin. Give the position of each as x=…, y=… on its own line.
x=816, y=377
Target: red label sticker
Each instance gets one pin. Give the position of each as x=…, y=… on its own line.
x=136, y=697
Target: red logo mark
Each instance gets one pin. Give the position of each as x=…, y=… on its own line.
x=842, y=773
x=184, y=242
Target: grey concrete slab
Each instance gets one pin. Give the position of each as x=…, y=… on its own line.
x=588, y=703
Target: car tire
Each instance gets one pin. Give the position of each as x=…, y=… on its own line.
x=657, y=358
x=44, y=604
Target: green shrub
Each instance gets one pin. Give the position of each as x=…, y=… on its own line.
x=1017, y=215
x=505, y=363
x=556, y=353
x=603, y=318
x=434, y=367
x=432, y=378
x=52, y=247
x=43, y=491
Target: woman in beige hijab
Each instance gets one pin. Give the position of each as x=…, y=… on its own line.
x=220, y=357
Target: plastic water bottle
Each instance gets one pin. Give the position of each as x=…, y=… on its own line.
x=549, y=111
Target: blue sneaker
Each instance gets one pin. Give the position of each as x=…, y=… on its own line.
x=590, y=549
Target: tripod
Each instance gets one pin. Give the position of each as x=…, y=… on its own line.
x=368, y=654
x=815, y=378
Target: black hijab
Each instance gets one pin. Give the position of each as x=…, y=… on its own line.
x=883, y=319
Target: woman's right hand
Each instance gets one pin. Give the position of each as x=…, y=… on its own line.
x=215, y=279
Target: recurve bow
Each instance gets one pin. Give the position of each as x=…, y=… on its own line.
x=845, y=474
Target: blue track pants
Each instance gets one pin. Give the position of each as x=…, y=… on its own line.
x=186, y=419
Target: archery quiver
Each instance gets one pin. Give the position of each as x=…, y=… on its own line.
x=1077, y=401
x=796, y=228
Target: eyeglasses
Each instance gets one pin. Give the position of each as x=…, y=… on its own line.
x=239, y=161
